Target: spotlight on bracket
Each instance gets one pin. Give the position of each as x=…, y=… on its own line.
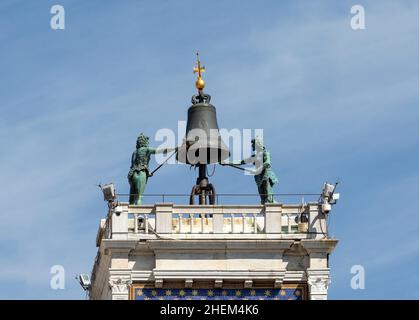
x=109, y=192
x=84, y=280
x=329, y=196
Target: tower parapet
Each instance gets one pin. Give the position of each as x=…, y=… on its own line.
x=168, y=250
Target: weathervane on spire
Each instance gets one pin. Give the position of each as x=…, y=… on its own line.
x=200, y=83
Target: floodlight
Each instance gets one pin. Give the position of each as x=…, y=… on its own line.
x=109, y=192
x=329, y=196
x=328, y=190
x=84, y=280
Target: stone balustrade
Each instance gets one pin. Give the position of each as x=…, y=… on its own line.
x=270, y=221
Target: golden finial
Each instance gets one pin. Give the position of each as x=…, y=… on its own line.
x=200, y=83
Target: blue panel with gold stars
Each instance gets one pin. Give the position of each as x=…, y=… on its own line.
x=218, y=294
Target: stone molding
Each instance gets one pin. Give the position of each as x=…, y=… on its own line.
x=319, y=245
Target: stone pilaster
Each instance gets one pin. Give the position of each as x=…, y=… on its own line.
x=318, y=283
x=318, y=272
x=120, y=288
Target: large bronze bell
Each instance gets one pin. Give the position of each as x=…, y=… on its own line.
x=202, y=143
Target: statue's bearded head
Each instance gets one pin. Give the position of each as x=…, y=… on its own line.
x=142, y=141
x=257, y=144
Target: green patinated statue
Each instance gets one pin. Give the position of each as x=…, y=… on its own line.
x=264, y=176
x=139, y=172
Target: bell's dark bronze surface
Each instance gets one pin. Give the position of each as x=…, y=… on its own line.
x=203, y=143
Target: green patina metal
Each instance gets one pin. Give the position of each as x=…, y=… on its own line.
x=139, y=172
x=266, y=179
x=264, y=176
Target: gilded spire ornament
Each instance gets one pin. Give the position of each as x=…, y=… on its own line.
x=200, y=83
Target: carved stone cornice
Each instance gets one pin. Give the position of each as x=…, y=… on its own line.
x=319, y=245
x=202, y=246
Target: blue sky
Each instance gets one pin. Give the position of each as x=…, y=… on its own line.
x=333, y=103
